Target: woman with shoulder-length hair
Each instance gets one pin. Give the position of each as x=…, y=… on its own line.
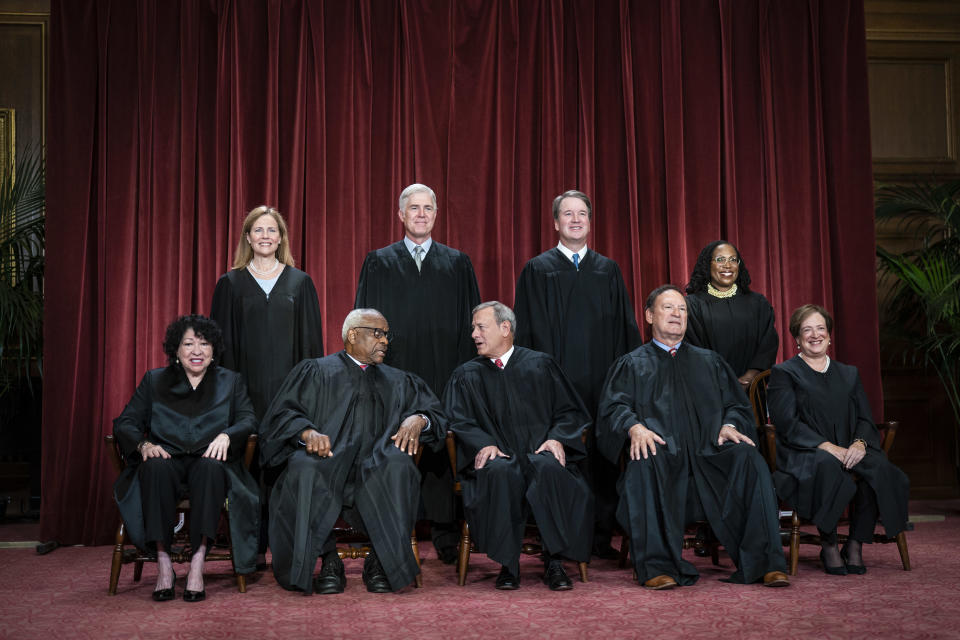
x=829, y=455
x=188, y=423
x=725, y=316
x=268, y=309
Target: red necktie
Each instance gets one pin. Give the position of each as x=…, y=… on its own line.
x=364, y=366
x=498, y=362
x=673, y=352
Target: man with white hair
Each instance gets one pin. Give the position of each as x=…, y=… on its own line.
x=347, y=427
x=427, y=289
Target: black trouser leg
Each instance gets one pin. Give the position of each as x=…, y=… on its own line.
x=863, y=513
x=159, y=491
x=208, y=489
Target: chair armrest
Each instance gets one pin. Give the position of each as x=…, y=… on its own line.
x=769, y=432
x=888, y=432
x=452, y=452
x=113, y=452
x=249, y=450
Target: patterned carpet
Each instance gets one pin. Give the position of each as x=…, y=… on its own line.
x=64, y=594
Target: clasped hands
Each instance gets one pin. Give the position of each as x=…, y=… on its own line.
x=643, y=441
x=488, y=453
x=848, y=456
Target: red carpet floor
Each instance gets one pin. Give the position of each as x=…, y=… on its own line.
x=64, y=595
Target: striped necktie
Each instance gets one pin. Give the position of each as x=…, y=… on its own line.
x=576, y=261
x=418, y=256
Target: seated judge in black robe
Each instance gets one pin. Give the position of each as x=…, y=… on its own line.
x=682, y=415
x=829, y=454
x=518, y=423
x=188, y=423
x=725, y=316
x=571, y=303
x=428, y=301
x=347, y=427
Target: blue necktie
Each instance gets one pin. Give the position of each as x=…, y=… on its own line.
x=576, y=261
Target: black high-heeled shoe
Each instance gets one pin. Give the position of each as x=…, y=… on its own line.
x=194, y=596
x=855, y=569
x=833, y=571
x=162, y=595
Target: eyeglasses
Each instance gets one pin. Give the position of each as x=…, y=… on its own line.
x=378, y=333
x=725, y=260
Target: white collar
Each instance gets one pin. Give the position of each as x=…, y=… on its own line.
x=411, y=245
x=569, y=254
x=505, y=358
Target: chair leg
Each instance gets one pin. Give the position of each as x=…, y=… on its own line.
x=137, y=570
x=418, y=581
x=583, y=572
x=715, y=554
x=241, y=579
x=624, y=551
x=794, y=543
x=902, y=547
x=117, y=561
x=464, y=560
x=242, y=583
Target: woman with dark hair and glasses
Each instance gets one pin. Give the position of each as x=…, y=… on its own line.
x=829, y=455
x=724, y=315
x=188, y=424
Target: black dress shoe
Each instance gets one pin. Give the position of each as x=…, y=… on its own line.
x=332, y=578
x=701, y=550
x=855, y=569
x=506, y=581
x=194, y=596
x=833, y=571
x=374, y=576
x=556, y=578
x=162, y=595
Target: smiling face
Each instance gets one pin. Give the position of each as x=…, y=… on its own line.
x=491, y=339
x=418, y=216
x=723, y=275
x=668, y=317
x=264, y=236
x=194, y=353
x=363, y=343
x=813, y=337
x=573, y=223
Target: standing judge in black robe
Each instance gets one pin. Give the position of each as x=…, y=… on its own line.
x=571, y=303
x=427, y=290
x=347, y=427
x=518, y=423
x=680, y=411
x=725, y=316
x=829, y=453
x=267, y=309
x=188, y=423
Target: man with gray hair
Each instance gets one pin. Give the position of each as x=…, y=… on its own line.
x=518, y=423
x=347, y=426
x=427, y=290
x=571, y=302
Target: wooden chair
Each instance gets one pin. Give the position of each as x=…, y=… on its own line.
x=346, y=535
x=790, y=521
x=466, y=545
x=220, y=550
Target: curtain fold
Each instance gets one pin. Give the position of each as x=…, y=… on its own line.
x=684, y=122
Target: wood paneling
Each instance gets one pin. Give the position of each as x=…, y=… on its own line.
x=913, y=61
x=23, y=67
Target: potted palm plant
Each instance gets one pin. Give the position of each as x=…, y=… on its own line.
x=920, y=287
x=22, y=241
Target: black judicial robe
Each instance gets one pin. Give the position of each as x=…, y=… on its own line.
x=265, y=337
x=686, y=400
x=809, y=407
x=167, y=411
x=429, y=311
x=517, y=409
x=739, y=328
x=582, y=318
x=324, y=394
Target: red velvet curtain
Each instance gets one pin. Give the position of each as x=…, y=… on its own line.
x=684, y=121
